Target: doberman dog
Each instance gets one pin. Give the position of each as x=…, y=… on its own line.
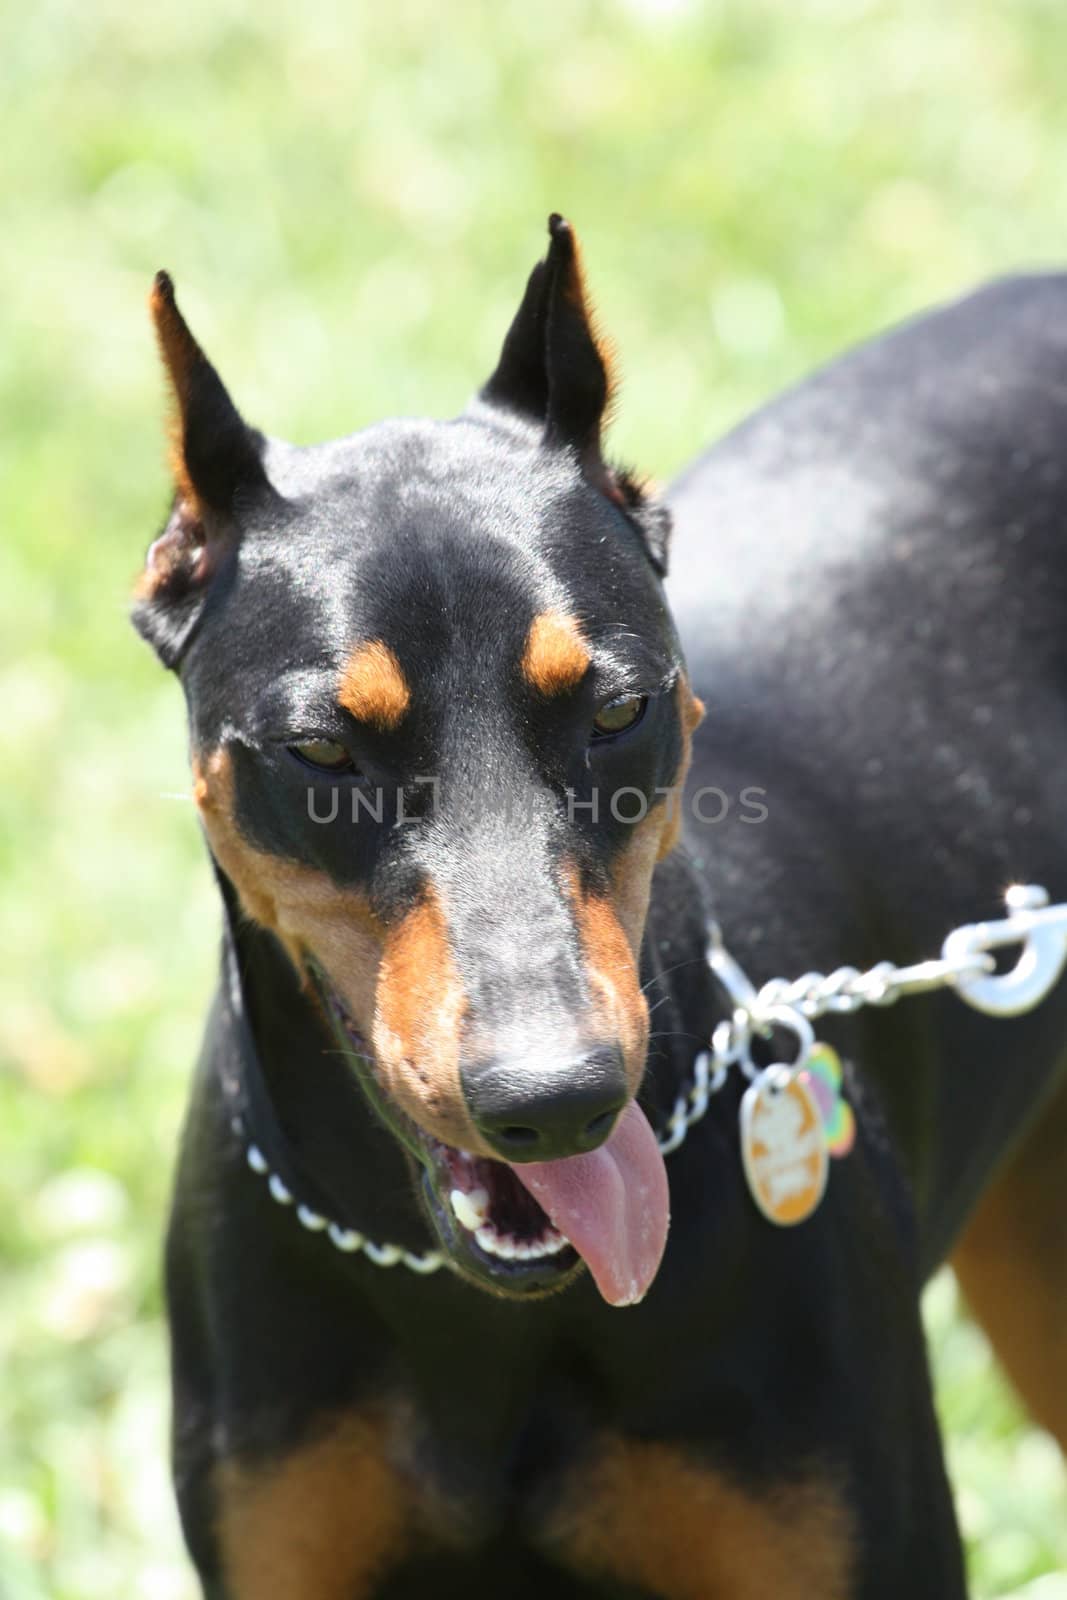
x=440, y=722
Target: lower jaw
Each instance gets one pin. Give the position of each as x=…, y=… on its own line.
x=552, y=1264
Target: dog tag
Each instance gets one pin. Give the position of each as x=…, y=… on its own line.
x=822, y=1075
x=783, y=1149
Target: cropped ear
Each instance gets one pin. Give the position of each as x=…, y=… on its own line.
x=555, y=370
x=216, y=461
x=552, y=368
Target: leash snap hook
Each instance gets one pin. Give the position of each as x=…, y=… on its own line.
x=1040, y=930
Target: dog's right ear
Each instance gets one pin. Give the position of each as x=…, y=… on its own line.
x=216, y=460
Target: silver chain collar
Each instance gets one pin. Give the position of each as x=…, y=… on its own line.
x=966, y=964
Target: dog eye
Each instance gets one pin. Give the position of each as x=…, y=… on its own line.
x=615, y=716
x=323, y=755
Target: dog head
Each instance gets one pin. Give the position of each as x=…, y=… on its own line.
x=439, y=723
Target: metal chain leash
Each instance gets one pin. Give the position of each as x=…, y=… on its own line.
x=966, y=964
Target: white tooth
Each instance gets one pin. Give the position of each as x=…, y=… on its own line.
x=524, y=1251
x=495, y=1245
x=470, y=1209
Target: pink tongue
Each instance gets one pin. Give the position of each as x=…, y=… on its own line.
x=613, y=1206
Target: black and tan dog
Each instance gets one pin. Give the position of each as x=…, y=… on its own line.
x=440, y=720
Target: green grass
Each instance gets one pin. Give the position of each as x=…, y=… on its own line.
x=350, y=205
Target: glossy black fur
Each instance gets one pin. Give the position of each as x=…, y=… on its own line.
x=871, y=592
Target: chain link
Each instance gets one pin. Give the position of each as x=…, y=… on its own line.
x=847, y=989
x=966, y=964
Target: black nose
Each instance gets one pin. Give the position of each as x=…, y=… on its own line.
x=527, y=1115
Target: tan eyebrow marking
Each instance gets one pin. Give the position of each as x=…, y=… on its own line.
x=556, y=658
x=373, y=687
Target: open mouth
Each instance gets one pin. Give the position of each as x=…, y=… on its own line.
x=525, y=1230
x=491, y=1228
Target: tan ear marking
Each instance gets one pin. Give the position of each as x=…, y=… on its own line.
x=177, y=346
x=556, y=658
x=373, y=687
x=180, y=353
x=573, y=286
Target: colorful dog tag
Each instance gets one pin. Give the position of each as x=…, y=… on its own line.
x=822, y=1075
x=783, y=1147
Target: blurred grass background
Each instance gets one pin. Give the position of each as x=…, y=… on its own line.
x=350, y=198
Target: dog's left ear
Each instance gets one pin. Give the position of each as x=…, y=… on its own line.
x=554, y=370
x=217, y=464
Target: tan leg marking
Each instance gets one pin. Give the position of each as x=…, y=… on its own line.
x=556, y=658
x=373, y=687
x=1012, y=1266
x=646, y=1515
x=321, y=1524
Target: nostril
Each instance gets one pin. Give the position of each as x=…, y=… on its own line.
x=515, y=1135
x=600, y=1126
